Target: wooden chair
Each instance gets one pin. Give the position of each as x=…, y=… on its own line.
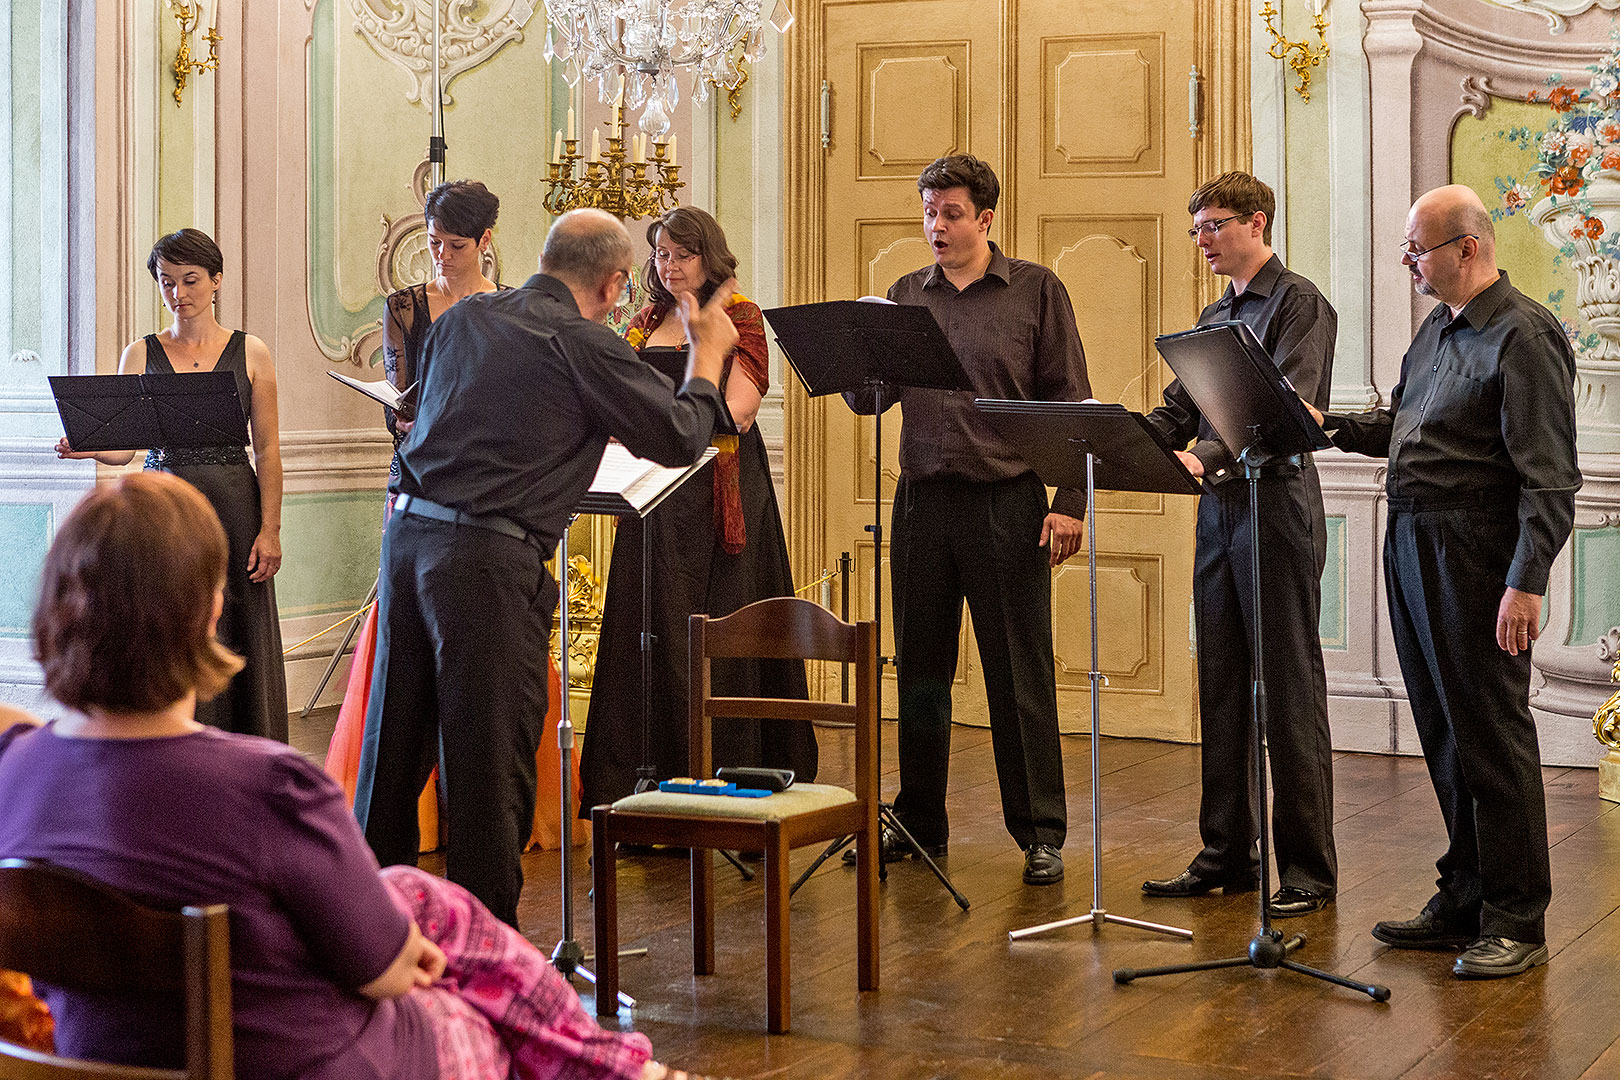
x=778, y=628
x=67, y=929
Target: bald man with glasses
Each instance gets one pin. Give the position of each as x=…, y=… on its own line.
x=1480, y=435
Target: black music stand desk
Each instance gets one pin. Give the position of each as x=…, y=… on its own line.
x=860, y=348
x=137, y=412
x=1260, y=418
x=1072, y=445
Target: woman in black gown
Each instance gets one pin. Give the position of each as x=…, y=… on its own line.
x=715, y=545
x=244, y=492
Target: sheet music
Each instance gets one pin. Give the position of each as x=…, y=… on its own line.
x=382, y=391
x=625, y=483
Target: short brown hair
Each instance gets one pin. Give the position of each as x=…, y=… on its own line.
x=126, y=600
x=1240, y=193
x=188, y=247
x=963, y=170
x=697, y=232
x=462, y=208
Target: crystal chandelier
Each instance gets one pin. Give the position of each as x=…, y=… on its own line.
x=651, y=42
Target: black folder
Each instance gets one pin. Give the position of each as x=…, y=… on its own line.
x=137, y=412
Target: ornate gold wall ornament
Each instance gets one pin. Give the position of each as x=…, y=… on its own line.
x=1606, y=721
x=470, y=33
x=733, y=85
x=1299, y=54
x=584, y=623
x=189, y=18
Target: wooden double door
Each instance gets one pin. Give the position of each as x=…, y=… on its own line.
x=1086, y=111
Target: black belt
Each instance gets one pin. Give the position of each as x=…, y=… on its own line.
x=415, y=504
x=1459, y=501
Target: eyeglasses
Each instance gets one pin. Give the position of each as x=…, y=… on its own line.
x=662, y=255
x=1414, y=253
x=1210, y=228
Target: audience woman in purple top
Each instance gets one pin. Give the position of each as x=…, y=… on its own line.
x=339, y=971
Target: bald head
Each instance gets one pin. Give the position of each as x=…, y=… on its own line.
x=585, y=246
x=1456, y=209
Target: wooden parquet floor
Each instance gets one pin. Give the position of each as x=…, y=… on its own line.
x=960, y=1001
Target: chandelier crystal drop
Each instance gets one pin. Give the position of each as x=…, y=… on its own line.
x=652, y=42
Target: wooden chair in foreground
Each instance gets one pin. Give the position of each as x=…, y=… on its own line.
x=67, y=929
x=779, y=628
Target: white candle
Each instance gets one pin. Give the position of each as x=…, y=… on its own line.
x=672, y=149
x=571, y=125
x=556, y=146
x=640, y=142
x=619, y=101
x=1319, y=4
x=596, y=144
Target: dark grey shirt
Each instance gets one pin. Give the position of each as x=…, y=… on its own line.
x=519, y=394
x=1014, y=332
x=1485, y=405
x=1296, y=325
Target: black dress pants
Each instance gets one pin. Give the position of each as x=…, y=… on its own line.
x=460, y=679
x=1293, y=550
x=1446, y=569
x=958, y=539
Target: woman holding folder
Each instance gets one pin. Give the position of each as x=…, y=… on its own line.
x=244, y=492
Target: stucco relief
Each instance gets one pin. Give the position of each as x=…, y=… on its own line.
x=470, y=32
x=1556, y=12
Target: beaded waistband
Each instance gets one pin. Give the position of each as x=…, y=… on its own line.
x=196, y=455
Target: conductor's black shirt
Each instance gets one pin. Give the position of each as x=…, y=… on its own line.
x=1297, y=327
x=1485, y=406
x=1014, y=332
x=519, y=394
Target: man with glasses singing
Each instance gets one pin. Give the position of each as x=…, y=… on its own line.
x=1297, y=326
x=520, y=391
x=1480, y=433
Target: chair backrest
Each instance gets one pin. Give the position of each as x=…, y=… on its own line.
x=786, y=628
x=67, y=929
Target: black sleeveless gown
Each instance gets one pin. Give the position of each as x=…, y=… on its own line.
x=255, y=701
x=691, y=573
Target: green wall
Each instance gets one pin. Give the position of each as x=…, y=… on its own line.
x=25, y=534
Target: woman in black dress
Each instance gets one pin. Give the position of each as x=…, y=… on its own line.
x=716, y=545
x=244, y=492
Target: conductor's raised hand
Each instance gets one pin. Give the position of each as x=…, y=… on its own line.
x=709, y=330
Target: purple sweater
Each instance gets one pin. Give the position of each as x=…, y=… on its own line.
x=210, y=818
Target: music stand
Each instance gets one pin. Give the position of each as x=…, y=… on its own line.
x=858, y=347
x=609, y=494
x=1255, y=410
x=163, y=409
x=1070, y=445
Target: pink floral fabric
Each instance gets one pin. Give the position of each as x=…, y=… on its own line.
x=501, y=1008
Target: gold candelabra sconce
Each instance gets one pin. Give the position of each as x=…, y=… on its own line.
x=189, y=19
x=733, y=91
x=628, y=180
x=1299, y=54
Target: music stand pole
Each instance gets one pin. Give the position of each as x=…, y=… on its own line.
x=1268, y=948
x=337, y=657
x=569, y=957
x=1098, y=914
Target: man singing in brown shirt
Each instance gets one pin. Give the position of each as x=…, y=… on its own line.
x=971, y=522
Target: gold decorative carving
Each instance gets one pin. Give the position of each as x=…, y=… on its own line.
x=189, y=18
x=584, y=623
x=1606, y=721
x=620, y=179
x=1299, y=54
x=734, y=91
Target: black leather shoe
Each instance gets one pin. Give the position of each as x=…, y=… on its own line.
x=1427, y=931
x=892, y=847
x=1496, y=957
x=1192, y=883
x=1043, y=865
x=1288, y=902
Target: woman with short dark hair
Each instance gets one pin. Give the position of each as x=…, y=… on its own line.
x=244, y=492
x=716, y=545
x=339, y=971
